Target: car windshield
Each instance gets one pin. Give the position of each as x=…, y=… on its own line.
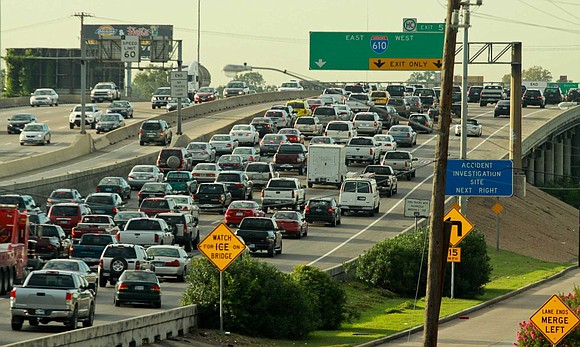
x=61, y=265
x=315, y=101
x=337, y=126
x=119, y=104
x=99, y=200
x=360, y=97
x=97, y=240
x=151, y=126
x=95, y=219
x=243, y=150
x=205, y=90
x=299, y=105
x=227, y=177
x=48, y=230
x=316, y=140
x=193, y=146
x=235, y=85
x=242, y=127
x=33, y=127
x=110, y=181
x=421, y=119
x=285, y=215
x=208, y=167
x=487, y=87
x=163, y=91
x=270, y=137
x=243, y=204
x=220, y=138
x=396, y=102
x=109, y=118
x=396, y=129
x=138, y=276
x=258, y=168
x=290, y=84
x=365, y=116
x=210, y=188
x=379, y=94
x=382, y=138
x=381, y=170
x=230, y=159
x=67, y=211
x=290, y=149
x=143, y=169
x=360, y=141
x=471, y=121
x=176, y=175
x=172, y=219
x=305, y=120
x=127, y=215
x=183, y=200
x=325, y=111
x=163, y=252
x=42, y=92
x=144, y=223
x=51, y=280
x=120, y=252
x=20, y=117
x=62, y=194
x=274, y=113
x=153, y=187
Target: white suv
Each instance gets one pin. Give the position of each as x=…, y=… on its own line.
x=119, y=257
x=340, y=131
x=105, y=91
x=360, y=194
x=92, y=116
x=44, y=96
x=290, y=86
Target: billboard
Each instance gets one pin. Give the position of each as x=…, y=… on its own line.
x=104, y=40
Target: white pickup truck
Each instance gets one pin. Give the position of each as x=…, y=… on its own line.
x=53, y=296
x=92, y=116
x=283, y=192
x=362, y=149
x=402, y=163
x=147, y=232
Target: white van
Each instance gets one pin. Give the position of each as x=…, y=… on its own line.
x=326, y=165
x=340, y=131
x=360, y=194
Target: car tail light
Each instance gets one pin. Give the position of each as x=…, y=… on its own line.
x=220, y=198
x=267, y=125
x=193, y=196
x=114, y=210
x=408, y=122
x=67, y=298
x=325, y=133
x=119, y=190
x=118, y=236
x=408, y=135
x=13, y=294
x=330, y=209
x=70, y=250
x=155, y=288
x=137, y=265
x=376, y=123
x=74, y=233
x=262, y=194
x=98, y=189
x=172, y=263
x=123, y=286
x=238, y=185
x=196, y=175
x=251, y=158
x=161, y=132
x=101, y=260
x=156, y=238
x=307, y=209
x=49, y=247
x=140, y=132
x=261, y=142
x=370, y=151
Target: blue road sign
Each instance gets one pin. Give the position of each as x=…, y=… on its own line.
x=479, y=178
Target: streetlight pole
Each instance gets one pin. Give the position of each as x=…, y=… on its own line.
x=82, y=16
x=198, y=82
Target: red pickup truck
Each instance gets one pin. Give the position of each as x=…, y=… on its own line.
x=291, y=156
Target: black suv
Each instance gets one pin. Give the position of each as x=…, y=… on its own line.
x=474, y=93
x=322, y=210
x=174, y=159
x=533, y=97
x=238, y=184
x=553, y=95
x=156, y=131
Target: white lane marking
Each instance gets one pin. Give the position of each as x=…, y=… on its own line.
x=401, y=200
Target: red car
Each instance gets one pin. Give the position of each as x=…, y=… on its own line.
x=241, y=209
x=205, y=94
x=293, y=223
x=314, y=103
x=293, y=135
x=67, y=215
x=153, y=206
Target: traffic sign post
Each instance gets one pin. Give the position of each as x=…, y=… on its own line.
x=479, y=177
x=497, y=208
x=555, y=319
x=130, y=49
x=178, y=80
x=221, y=246
x=454, y=255
x=375, y=50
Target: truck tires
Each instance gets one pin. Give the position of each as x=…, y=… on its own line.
x=74, y=320
x=103, y=281
x=16, y=323
x=90, y=319
x=71, y=125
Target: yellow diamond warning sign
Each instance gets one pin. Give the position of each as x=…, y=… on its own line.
x=555, y=319
x=221, y=246
x=461, y=226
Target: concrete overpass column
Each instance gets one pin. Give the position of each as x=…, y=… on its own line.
x=567, y=154
x=530, y=166
x=539, y=165
x=575, y=158
x=558, y=157
x=548, y=162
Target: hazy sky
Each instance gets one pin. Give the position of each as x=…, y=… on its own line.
x=274, y=33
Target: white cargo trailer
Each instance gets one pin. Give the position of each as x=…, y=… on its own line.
x=326, y=165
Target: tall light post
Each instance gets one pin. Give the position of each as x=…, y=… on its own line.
x=232, y=69
x=198, y=42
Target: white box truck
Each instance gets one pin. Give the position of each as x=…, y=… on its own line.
x=326, y=165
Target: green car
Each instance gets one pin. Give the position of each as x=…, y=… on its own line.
x=182, y=182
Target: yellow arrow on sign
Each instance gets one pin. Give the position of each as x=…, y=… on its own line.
x=461, y=226
x=407, y=64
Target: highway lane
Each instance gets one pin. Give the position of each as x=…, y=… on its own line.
x=57, y=120
x=326, y=247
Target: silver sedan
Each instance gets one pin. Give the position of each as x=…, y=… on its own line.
x=170, y=261
x=35, y=133
x=205, y=172
x=141, y=174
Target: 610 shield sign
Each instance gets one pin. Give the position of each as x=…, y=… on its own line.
x=379, y=44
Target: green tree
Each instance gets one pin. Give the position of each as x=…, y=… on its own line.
x=253, y=79
x=146, y=82
x=506, y=79
x=426, y=76
x=536, y=73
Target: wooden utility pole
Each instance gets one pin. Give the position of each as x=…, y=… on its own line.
x=437, y=237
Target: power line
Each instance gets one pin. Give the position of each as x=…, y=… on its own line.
x=515, y=21
x=563, y=10
x=547, y=13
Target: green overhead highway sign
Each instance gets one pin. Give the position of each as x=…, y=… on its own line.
x=360, y=50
